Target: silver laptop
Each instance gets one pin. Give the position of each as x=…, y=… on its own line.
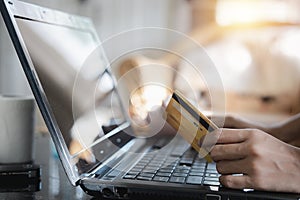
x=76, y=91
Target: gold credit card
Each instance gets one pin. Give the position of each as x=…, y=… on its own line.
x=189, y=122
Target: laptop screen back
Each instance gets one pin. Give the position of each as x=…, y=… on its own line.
x=76, y=84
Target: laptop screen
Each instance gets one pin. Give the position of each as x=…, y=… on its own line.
x=79, y=87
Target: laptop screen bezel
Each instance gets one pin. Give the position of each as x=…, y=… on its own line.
x=15, y=9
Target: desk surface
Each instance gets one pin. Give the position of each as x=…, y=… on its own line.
x=54, y=182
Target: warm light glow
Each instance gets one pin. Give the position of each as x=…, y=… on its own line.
x=238, y=58
x=149, y=96
x=154, y=95
x=248, y=11
x=290, y=44
x=145, y=99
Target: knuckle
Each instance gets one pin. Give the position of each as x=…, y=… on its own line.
x=256, y=133
x=253, y=150
x=223, y=180
x=255, y=169
x=227, y=181
x=240, y=149
x=213, y=153
x=256, y=181
x=219, y=167
x=239, y=134
x=250, y=182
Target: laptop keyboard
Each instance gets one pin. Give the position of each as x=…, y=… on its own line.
x=175, y=167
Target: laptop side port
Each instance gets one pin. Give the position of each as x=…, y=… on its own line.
x=213, y=197
x=121, y=192
x=107, y=192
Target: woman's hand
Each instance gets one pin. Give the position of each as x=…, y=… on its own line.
x=265, y=162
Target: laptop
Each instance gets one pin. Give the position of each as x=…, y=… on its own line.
x=77, y=94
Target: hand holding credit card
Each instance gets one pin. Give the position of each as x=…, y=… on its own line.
x=190, y=123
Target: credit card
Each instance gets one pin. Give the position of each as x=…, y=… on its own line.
x=189, y=122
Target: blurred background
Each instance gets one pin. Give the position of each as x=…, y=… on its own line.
x=254, y=45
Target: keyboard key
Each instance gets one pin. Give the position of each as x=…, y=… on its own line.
x=183, y=167
x=198, y=167
x=215, y=179
x=167, y=170
x=133, y=172
x=211, y=171
x=151, y=168
x=194, y=180
x=178, y=152
x=161, y=178
x=146, y=174
x=163, y=174
x=197, y=170
x=212, y=175
x=200, y=161
x=211, y=166
x=172, y=159
x=144, y=178
x=214, y=183
x=196, y=173
x=188, y=156
x=140, y=166
x=158, y=160
x=154, y=164
x=136, y=169
x=161, y=156
x=186, y=161
x=149, y=171
x=185, y=171
x=169, y=164
x=129, y=176
x=179, y=174
x=145, y=160
x=199, y=164
x=177, y=179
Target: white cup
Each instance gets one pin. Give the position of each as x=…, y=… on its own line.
x=16, y=129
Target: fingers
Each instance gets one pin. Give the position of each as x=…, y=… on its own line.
x=233, y=121
x=209, y=140
x=228, y=136
x=219, y=120
x=228, y=121
x=236, y=182
x=223, y=136
x=232, y=167
x=228, y=152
